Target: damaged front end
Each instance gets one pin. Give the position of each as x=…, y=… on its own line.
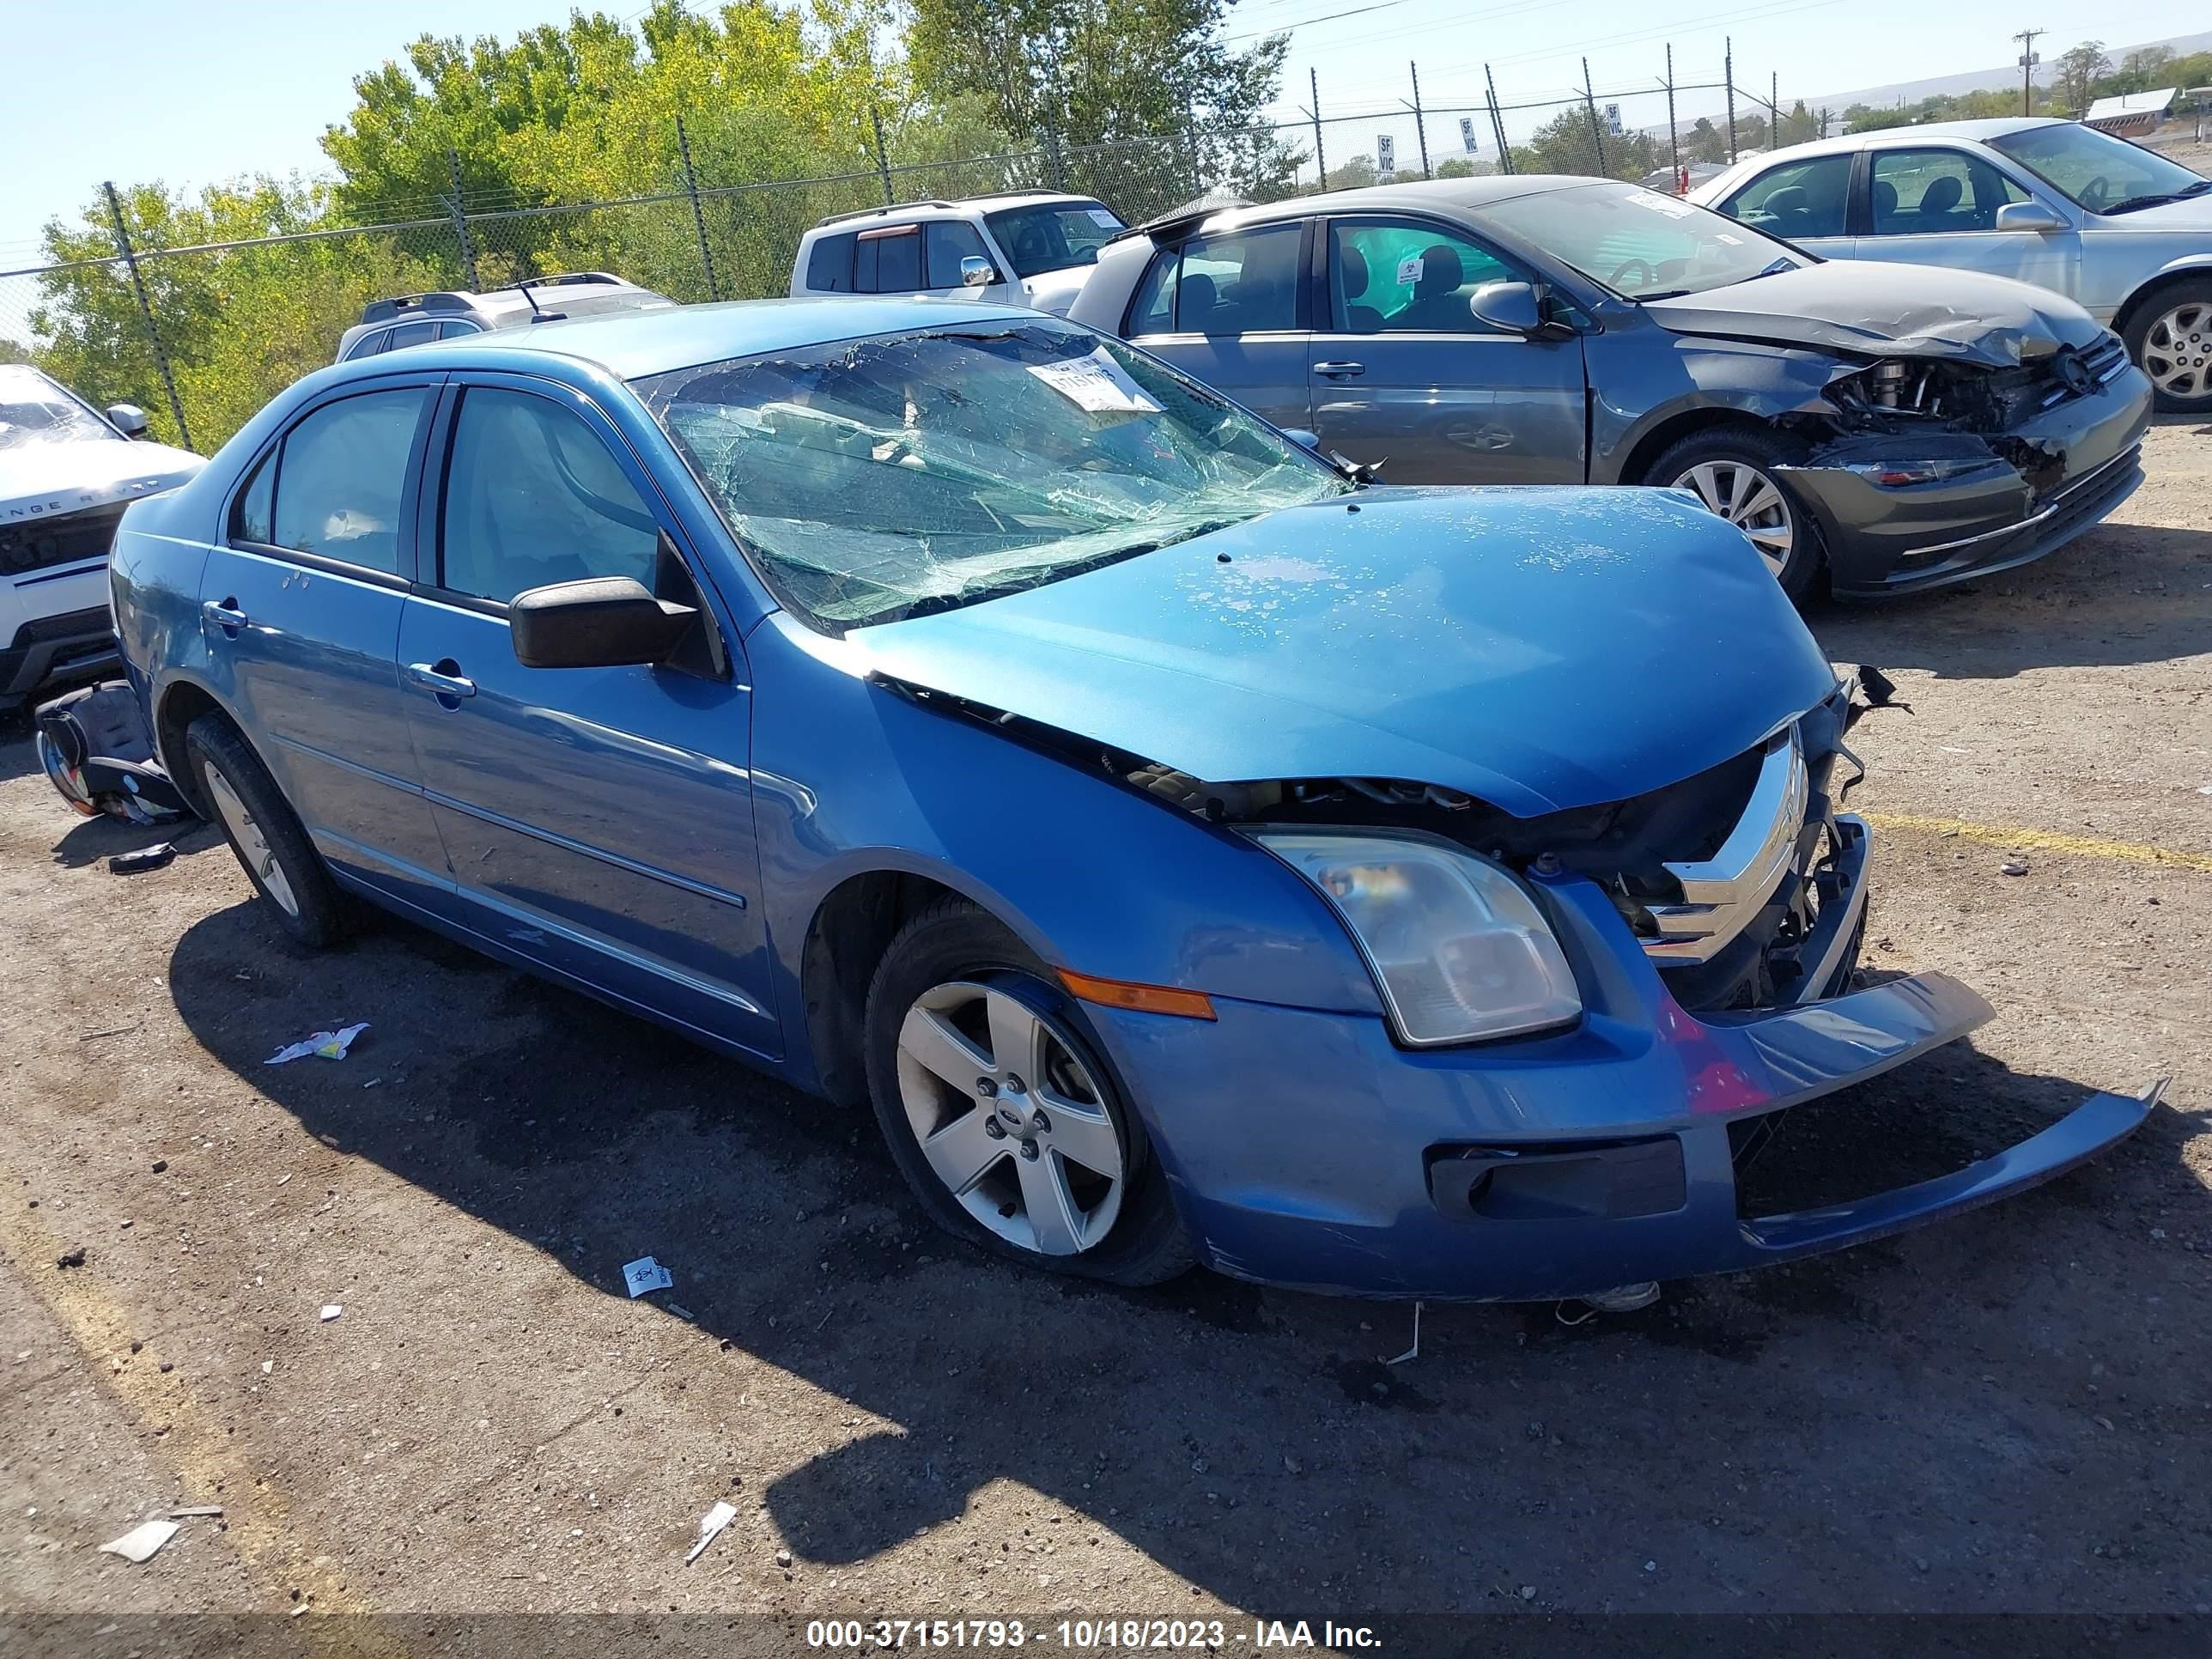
x=1926, y=471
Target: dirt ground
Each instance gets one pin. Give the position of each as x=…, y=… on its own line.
x=2010, y=1412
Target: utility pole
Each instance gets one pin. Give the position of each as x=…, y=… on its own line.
x=2027, y=61
x=1728, y=74
x=1589, y=103
x=1420, y=127
x=1498, y=125
x=1321, y=167
x=146, y=315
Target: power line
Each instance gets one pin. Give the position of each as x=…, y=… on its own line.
x=2027, y=39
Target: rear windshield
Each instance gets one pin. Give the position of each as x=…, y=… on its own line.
x=1053, y=236
x=894, y=475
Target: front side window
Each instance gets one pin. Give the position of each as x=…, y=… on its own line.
x=1926, y=193
x=949, y=241
x=1406, y=278
x=885, y=478
x=1796, y=200
x=533, y=497
x=340, y=477
x=1241, y=282
x=2096, y=171
x=888, y=261
x=1641, y=245
x=1052, y=237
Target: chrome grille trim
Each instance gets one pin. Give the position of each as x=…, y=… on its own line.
x=1721, y=894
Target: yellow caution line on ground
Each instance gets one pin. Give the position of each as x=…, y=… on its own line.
x=2044, y=841
x=213, y=1465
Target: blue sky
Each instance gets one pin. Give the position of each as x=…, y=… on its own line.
x=192, y=93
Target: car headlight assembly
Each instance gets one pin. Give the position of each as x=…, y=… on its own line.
x=1903, y=475
x=1458, y=949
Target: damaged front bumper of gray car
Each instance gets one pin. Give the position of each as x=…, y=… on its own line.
x=1933, y=473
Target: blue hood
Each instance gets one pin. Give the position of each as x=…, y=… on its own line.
x=1539, y=649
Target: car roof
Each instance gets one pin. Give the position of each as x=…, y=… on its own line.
x=1982, y=131
x=937, y=208
x=1466, y=193
x=631, y=344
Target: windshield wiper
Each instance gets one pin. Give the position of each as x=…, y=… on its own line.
x=2161, y=198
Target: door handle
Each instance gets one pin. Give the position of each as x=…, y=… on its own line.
x=424, y=677
x=1340, y=371
x=225, y=614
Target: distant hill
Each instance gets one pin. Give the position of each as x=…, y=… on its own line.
x=1911, y=92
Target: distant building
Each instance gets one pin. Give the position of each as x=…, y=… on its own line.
x=2132, y=114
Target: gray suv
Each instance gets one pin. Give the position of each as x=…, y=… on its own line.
x=417, y=318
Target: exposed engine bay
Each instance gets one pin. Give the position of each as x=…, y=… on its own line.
x=1635, y=849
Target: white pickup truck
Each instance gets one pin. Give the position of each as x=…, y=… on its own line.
x=66, y=473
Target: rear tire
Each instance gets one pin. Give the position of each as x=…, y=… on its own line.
x=1017, y=1144
x=2170, y=339
x=1735, y=471
x=270, y=842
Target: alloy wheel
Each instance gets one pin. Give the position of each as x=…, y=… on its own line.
x=1750, y=501
x=253, y=844
x=2177, y=351
x=1010, y=1118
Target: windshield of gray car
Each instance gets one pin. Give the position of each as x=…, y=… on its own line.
x=2096, y=171
x=893, y=476
x=1640, y=244
x=1054, y=236
x=34, y=409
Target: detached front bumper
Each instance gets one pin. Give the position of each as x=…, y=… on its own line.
x=2050, y=478
x=1308, y=1150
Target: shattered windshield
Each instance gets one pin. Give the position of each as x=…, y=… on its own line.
x=1641, y=244
x=891, y=476
x=34, y=409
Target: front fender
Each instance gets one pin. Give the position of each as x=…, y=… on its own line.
x=1648, y=385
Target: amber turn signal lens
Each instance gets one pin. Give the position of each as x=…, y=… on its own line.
x=1145, y=999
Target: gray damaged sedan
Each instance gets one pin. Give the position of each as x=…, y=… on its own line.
x=1878, y=429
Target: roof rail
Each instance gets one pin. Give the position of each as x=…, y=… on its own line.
x=877, y=213
x=1171, y=226
x=563, y=278
x=379, y=311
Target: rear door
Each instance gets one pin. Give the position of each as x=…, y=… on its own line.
x=1233, y=310
x=1937, y=205
x=299, y=608
x=1402, y=371
x=598, y=820
x=1806, y=203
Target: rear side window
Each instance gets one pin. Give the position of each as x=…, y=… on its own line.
x=888, y=261
x=1244, y=282
x=1797, y=200
x=340, y=476
x=829, y=267
x=533, y=497
x=948, y=242
x=249, y=514
x=408, y=334
x=369, y=344
x=453, y=326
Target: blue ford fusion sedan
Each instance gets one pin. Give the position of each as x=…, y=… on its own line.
x=1190, y=855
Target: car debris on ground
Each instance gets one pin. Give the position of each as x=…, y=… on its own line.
x=143, y=1542
x=710, y=1528
x=326, y=1045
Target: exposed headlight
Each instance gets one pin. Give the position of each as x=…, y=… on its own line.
x=1898, y=475
x=1459, y=951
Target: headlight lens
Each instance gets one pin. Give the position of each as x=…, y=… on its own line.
x=1900, y=475
x=1459, y=951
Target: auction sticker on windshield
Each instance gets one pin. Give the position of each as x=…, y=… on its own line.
x=1096, y=383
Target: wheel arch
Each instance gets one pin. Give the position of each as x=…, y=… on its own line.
x=2196, y=268
x=181, y=701
x=1663, y=435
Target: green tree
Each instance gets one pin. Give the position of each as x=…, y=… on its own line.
x=1565, y=143
x=2079, y=70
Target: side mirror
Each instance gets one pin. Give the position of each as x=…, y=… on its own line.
x=608, y=621
x=977, y=272
x=1509, y=308
x=1303, y=439
x=2029, y=215
x=128, y=419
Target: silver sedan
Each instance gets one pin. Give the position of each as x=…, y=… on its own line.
x=2119, y=227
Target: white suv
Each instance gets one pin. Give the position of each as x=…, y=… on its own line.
x=66, y=473
x=1025, y=247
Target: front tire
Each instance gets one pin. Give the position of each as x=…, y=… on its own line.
x=2170, y=341
x=1735, y=472
x=270, y=842
x=1001, y=1113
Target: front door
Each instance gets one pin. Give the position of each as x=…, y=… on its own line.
x=1229, y=311
x=598, y=820
x=1938, y=206
x=299, y=607
x=1402, y=371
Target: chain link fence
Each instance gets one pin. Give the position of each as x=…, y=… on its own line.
x=201, y=337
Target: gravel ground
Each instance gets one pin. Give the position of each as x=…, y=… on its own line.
x=2006, y=1414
